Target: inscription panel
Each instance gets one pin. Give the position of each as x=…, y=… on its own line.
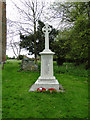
x=47, y=66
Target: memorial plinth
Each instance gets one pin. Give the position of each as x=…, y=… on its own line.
x=46, y=79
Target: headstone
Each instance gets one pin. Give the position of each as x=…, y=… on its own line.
x=46, y=79
x=28, y=65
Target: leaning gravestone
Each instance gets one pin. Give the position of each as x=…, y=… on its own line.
x=28, y=65
x=46, y=80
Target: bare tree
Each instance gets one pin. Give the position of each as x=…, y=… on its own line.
x=13, y=31
x=29, y=12
x=15, y=47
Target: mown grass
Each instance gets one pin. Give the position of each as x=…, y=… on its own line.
x=19, y=103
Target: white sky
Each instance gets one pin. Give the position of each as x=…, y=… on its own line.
x=12, y=14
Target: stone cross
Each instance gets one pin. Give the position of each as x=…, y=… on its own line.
x=46, y=30
x=46, y=79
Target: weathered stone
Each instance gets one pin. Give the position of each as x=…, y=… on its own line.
x=46, y=80
x=28, y=65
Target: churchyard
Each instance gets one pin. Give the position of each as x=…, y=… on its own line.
x=18, y=102
x=21, y=98
x=55, y=86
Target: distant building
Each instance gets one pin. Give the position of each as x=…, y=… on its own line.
x=2, y=31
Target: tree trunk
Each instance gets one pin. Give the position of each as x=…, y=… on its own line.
x=35, y=52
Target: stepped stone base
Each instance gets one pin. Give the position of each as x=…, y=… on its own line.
x=45, y=83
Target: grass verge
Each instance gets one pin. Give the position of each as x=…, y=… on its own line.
x=19, y=103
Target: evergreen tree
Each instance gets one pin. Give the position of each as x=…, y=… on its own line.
x=27, y=42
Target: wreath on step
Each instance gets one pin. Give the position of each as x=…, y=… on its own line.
x=43, y=89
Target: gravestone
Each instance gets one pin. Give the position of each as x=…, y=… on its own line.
x=46, y=79
x=28, y=65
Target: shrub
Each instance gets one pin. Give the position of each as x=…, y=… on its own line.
x=20, y=57
x=7, y=57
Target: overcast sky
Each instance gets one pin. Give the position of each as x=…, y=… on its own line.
x=12, y=14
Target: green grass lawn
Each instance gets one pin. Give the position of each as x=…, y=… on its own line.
x=19, y=103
